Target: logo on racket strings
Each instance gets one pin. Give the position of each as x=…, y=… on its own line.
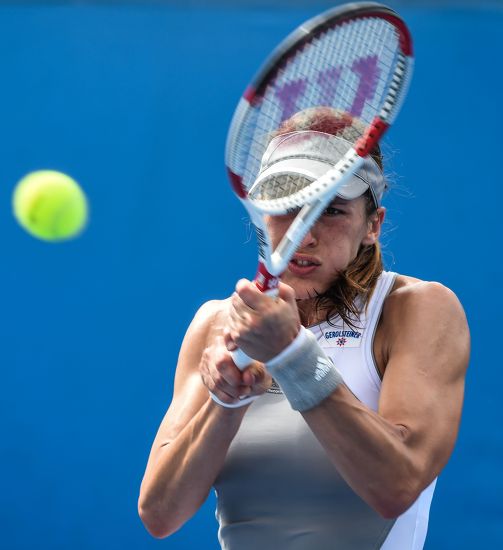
x=328, y=88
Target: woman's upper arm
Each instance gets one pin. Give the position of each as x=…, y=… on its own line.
x=428, y=348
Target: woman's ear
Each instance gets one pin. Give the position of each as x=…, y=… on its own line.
x=374, y=225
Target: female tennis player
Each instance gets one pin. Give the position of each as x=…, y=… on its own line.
x=335, y=435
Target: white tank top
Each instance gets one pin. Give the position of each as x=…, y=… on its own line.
x=278, y=489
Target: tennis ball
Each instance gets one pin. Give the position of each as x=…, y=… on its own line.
x=50, y=205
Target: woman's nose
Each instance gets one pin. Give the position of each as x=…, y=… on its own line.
x=309, y=239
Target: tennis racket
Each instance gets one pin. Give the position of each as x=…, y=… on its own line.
x=356, y=59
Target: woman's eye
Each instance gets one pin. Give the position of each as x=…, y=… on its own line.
x=331, y=211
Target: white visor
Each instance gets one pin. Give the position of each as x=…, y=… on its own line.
x=311, y=154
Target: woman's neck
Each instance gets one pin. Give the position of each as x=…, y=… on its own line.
x=308, y=312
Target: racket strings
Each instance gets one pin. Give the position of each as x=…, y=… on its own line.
x=316, y=147
x=279, y=187
x=348, y=67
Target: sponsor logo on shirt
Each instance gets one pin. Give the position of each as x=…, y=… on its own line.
x=338, y=338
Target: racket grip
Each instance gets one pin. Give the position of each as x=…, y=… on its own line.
x=240, y=359
x=268, y=284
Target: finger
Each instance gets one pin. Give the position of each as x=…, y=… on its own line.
x=286, y=293
x=239, y=311
x=229, y=374
x=250, y=294
x=223, y=368
x=224, y=396
x=234, y=329
x=259, y=379
x=228, y=341
x=219, y=389
x=249, y=376
x=218, y=386
x=212, y=378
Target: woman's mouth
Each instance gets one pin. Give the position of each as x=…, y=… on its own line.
x=302, y=266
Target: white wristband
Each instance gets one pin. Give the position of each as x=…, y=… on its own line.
x=241, y=403
x=304, y=373
x=289, y=350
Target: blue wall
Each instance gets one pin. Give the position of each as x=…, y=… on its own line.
x=134, y=102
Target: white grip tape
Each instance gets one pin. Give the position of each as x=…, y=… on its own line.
x=241, y=360
x=304, y=373
x=241, y=403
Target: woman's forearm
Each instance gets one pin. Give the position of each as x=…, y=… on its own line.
x=182, y=471
x=369, y=452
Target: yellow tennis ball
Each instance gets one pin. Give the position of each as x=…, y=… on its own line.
x=50, y=205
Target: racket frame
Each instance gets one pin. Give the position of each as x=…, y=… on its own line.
x=272, y=263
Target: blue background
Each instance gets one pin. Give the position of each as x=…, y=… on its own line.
x=134, y=102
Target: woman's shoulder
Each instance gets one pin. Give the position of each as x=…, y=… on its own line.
x=419, y=314
x=411, y=297
x=405, y=287
x=211, y=309
x=209, y=318
x=207, y=324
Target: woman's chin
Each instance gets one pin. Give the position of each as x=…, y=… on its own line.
x=305, y=289
x=303, y=292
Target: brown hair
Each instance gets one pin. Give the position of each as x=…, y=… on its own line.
x=361, y=275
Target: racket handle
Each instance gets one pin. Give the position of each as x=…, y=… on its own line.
x=268, y=284
x=240, y=359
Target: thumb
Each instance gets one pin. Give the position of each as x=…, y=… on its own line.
x=249, y=377
x=256, y=375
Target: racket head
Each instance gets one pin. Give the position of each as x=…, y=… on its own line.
x=355, y=59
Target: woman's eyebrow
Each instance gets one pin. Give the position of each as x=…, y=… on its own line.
x=339, y=201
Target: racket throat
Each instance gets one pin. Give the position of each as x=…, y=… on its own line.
x=371, y=137
x=266, y=281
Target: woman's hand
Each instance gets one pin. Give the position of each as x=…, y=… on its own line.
x=260, y=325
x=223, y=379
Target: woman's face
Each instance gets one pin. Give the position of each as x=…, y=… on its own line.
x=329, y=247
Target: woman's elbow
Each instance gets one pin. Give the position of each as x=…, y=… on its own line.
x=392, y=510
x=156, y=523
x=394, y=503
